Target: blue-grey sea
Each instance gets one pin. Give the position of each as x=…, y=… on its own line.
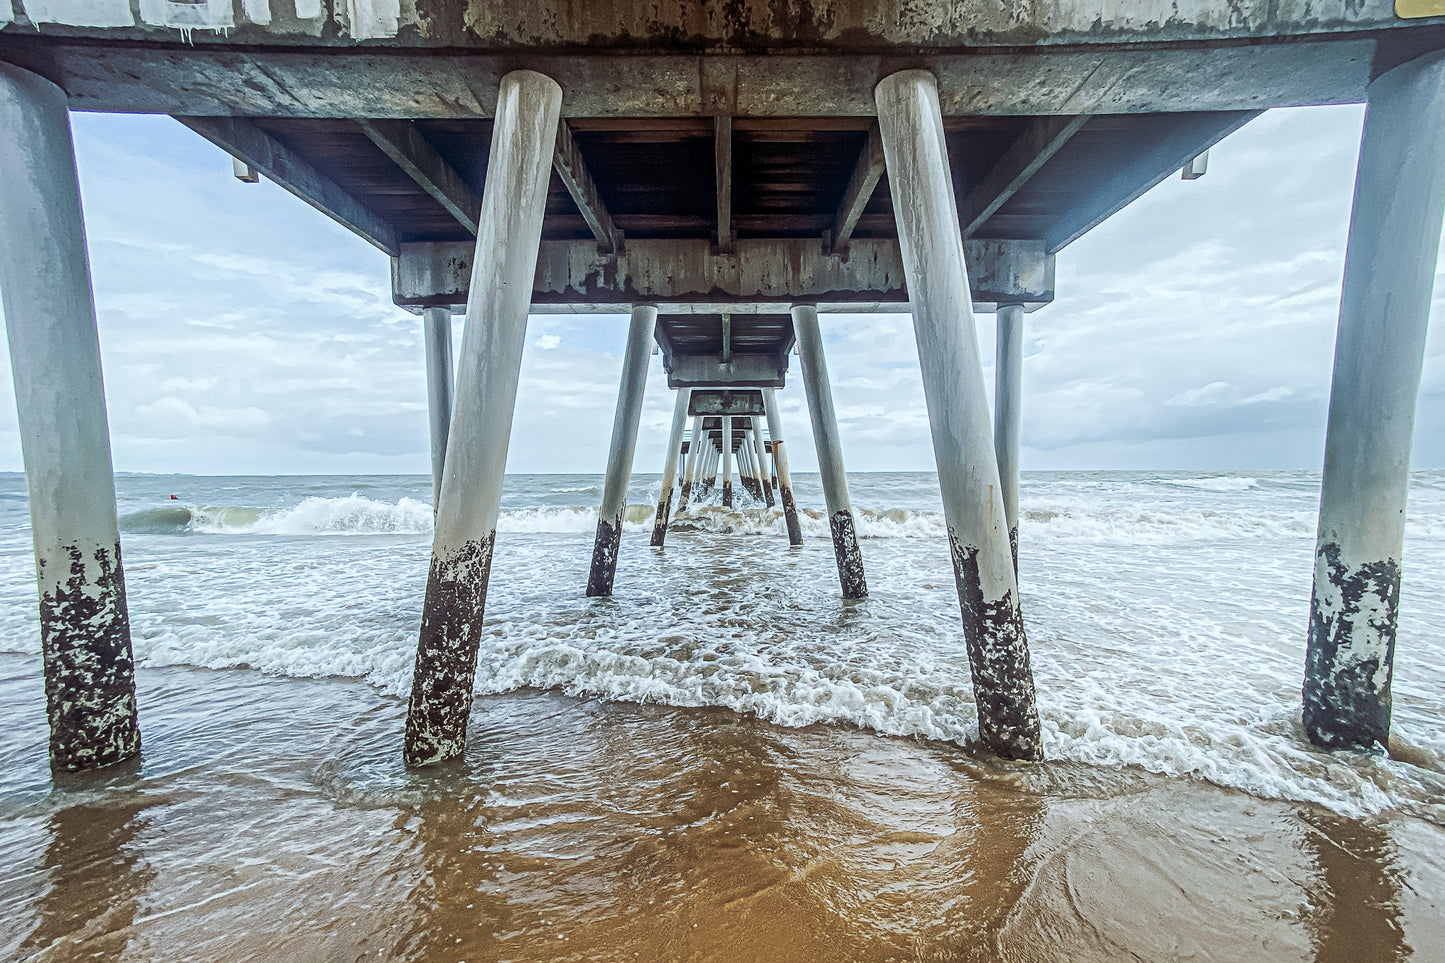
x=725, y=689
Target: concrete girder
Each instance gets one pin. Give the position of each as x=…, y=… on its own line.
x=723, y=162
x=1039, y=141
x=867, y=171
x=674, y=272
x=412, y=84
x=567, y=161
x=727, y=403
x=743, y=371
x=243, y=139
x=405, y=145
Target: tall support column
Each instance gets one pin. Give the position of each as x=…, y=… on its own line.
x=830, y=452
x=509, y=232
x=1007, y=409
x=1379, y=350
x=780, y=464
x=727, y=461
x=747, y=475
x=694, y=453
x=437, y=332
x=953, y=386
x=619, y=455
x=714, y=459
x=65, y=439
x=761, y=456
x=669, y=470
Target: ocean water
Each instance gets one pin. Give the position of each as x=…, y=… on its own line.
x=727, y=706
x=1165, y=610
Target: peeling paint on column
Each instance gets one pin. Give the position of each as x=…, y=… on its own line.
x=728, y=494
x=845, y=551
x=998, y=657
x=370, y=19
x=446, y=654
x=81, y=13
x=89, y=666
x=604, y=557
x=1351, y=651
x=664, y=514
x=189, y=15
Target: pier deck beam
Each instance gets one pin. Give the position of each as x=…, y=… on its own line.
x=619, y=455
x=780, y=465
x=64, y=436
x=437, y=333
x=727, y=461
x=953, y=387
x=509, y=232
x=1007, y=415
x=694, y=455
x=830, y=452
x=669, y=468
x=762, y=459
x=1379, y=351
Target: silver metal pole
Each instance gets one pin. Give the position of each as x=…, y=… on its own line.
x=830, y=452
x=669, y=469
x=524, y=136
x=437, y=333
x=619, y=456
x=64, y=436
x=1379, y=351
x=953, y=387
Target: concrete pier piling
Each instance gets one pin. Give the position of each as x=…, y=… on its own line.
x=830, y=452
x=748, y=472
x=437, y=333
x=64, y=436
x=1007, y=408
x=669, y=468
x=780, y=464
x=1379, y=351
x=694, y=453
x=509, y=230
x=932, y=250
x=760, y=455
x=619, y=454
x=727, y=461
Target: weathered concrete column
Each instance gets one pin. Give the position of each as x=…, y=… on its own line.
x=780, y=462
x=694, y=452
x=1379, y=350
x=727, y=461
x=714, y=459
x=55, y=356
x=669, y=469
x=1007, y=410
x=830, y=451
x=932, y=248
x=619, y=455
x=509, y=231
x=761, y=456
x=437, y=332
x=747, y=473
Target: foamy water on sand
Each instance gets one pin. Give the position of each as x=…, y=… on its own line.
x=1166, y=615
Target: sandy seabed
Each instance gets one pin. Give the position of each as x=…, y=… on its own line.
x=270, y=819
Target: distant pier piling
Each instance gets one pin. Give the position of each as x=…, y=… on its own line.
x=509, y=232
x=437, y=335
x=694, y=453
x=669, y=468
x=64, y=436
x=727, y=461
x=761, y=457
x=619, y=456
x=953, y=386
x=1008, y=408
x=780, y=463
x=1379, y=352
x=830, y=452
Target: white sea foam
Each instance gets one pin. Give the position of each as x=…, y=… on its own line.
x=1217, y=483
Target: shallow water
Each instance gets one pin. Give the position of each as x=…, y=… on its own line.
x=709, y=764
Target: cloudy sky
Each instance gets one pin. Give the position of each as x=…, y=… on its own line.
x=242, y=332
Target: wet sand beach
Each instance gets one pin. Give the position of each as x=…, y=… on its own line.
x=271, y=819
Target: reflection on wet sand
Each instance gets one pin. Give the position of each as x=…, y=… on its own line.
x=1354, y=898
x=95, y=877
x=273, y=820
